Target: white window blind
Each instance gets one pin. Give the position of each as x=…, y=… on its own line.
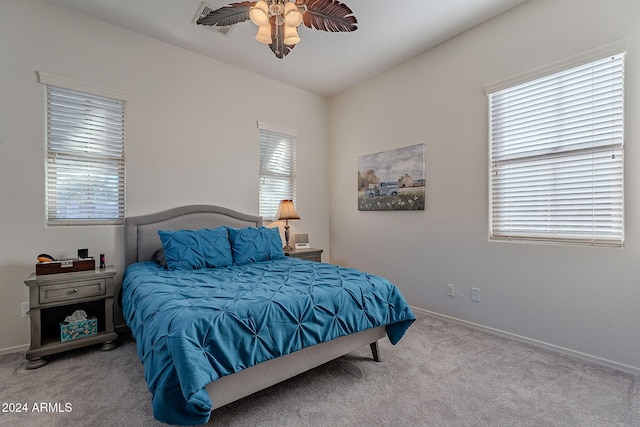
x=85, y=158
x=556, y=156
x=277, y=167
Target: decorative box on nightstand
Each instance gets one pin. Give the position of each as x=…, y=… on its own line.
x=310, y=254
x=53, y=297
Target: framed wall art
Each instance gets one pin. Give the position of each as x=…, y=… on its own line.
x=392, y=180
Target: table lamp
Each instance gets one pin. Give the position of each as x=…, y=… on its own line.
x=286, y=212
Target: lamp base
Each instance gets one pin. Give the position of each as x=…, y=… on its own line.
x=287, y=246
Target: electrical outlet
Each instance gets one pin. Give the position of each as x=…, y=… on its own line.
x=25, y=309
x=451, y=290
x=475, y=294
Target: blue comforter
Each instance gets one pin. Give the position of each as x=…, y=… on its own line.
x=195, y=326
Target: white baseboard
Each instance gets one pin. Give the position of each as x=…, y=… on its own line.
x=609, y=363
x=605, y=362
x=16, y=349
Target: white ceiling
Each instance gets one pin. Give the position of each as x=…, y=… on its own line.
x=389, y=32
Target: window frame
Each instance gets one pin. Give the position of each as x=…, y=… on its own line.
x=285, y=173
x=100, y=156
x=556, y=233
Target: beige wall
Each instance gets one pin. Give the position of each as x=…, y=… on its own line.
x=191, y=138
x=582, y=299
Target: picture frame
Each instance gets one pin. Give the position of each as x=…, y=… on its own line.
x=393, y=179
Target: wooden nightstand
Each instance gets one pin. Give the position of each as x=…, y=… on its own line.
x=52, y=297
x=310, y=254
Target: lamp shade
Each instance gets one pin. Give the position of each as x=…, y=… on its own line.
x=259, y=13
x=264, y=34
x=292, y=16
x=291, y=36
x=286, y=211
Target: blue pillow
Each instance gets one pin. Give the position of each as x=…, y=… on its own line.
x=255, y=244
x=195, y=249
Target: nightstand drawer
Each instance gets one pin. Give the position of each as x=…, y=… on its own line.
x=72, y=291
x=310, y=257
x=309, y=254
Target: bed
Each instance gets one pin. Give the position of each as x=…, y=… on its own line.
x=212, y=331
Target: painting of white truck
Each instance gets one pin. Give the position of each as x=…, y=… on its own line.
x=392, y=180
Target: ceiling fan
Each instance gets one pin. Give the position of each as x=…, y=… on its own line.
x=278, y=20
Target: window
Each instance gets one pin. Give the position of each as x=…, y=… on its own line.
x=556, y=156
x=85, y=170
x=277, y=167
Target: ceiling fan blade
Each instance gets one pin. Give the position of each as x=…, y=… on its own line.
x=278, y=47
x=231, y=14
x=329, y=15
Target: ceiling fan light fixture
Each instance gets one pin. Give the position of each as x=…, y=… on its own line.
x=259, y=13
x=264, y=34
x=291, y=35
x=278, y=20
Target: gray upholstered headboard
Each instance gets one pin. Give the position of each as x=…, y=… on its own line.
x=141, y=232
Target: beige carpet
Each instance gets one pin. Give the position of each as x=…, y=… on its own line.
x=440, y=374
